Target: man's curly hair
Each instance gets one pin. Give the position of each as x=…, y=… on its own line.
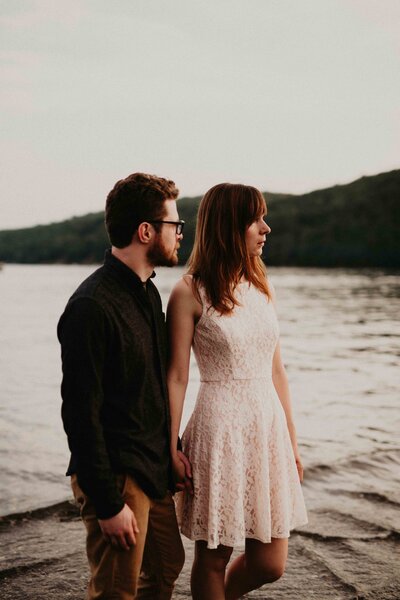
x=133, y=200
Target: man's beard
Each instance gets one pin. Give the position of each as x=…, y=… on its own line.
x=159, y=257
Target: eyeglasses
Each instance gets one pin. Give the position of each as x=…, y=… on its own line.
x=178, y=224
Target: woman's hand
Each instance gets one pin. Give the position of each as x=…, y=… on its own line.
x=299, y=465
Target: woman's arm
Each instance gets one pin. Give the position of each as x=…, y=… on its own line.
x=281, y=384
x=280, y=380
x=182, y=313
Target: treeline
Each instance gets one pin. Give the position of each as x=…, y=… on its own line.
x=354, y=225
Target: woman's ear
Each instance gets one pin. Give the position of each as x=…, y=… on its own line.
x=145, y=233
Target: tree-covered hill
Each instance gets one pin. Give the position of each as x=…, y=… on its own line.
x=357, y=224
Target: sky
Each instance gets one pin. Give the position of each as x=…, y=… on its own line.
x=285, y=95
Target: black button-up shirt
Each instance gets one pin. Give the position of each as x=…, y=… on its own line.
x=115, y=405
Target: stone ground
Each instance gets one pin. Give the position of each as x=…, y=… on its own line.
x=42, y=556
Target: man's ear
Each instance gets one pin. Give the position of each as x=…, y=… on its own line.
x=145, y=233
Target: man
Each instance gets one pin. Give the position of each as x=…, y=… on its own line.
x=115, y=405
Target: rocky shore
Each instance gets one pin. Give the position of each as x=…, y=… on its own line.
x=42, y=556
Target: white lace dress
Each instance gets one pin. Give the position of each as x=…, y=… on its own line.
x=245, y=477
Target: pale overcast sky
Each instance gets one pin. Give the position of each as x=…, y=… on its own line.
x=287, y=95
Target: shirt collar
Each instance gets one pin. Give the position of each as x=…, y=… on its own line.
x=129, y=277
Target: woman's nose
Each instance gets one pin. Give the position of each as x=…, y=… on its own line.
x=267, y=228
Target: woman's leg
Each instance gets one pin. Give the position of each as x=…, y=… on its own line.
x=260, y=564
x=208, y=572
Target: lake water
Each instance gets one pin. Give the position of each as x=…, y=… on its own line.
x=340, y=342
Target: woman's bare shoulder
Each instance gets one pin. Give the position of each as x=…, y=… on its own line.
x=184, y=294
x=184, y=286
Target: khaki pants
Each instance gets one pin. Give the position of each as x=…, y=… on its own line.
x=148, y=569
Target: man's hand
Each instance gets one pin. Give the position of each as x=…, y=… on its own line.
x=120, y=530
x=182, y=471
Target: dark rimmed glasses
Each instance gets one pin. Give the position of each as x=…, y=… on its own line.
x=178, y=224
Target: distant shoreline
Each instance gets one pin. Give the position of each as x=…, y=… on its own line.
x=351, y=226
x=373, y=269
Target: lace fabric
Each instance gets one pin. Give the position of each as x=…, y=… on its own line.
x=245, y=478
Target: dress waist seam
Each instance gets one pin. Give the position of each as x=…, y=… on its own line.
x=230, y=379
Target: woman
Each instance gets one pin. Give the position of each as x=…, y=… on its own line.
x=240, y=439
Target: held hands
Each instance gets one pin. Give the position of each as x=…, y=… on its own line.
x=182, y=472
x=120, y=530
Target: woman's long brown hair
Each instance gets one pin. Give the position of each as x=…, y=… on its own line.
x=220, y=258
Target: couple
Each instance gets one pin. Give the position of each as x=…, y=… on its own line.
x=123, y=389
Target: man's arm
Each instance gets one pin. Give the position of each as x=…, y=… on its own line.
x=83, y=334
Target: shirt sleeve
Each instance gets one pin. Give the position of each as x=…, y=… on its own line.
x=83, y=332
